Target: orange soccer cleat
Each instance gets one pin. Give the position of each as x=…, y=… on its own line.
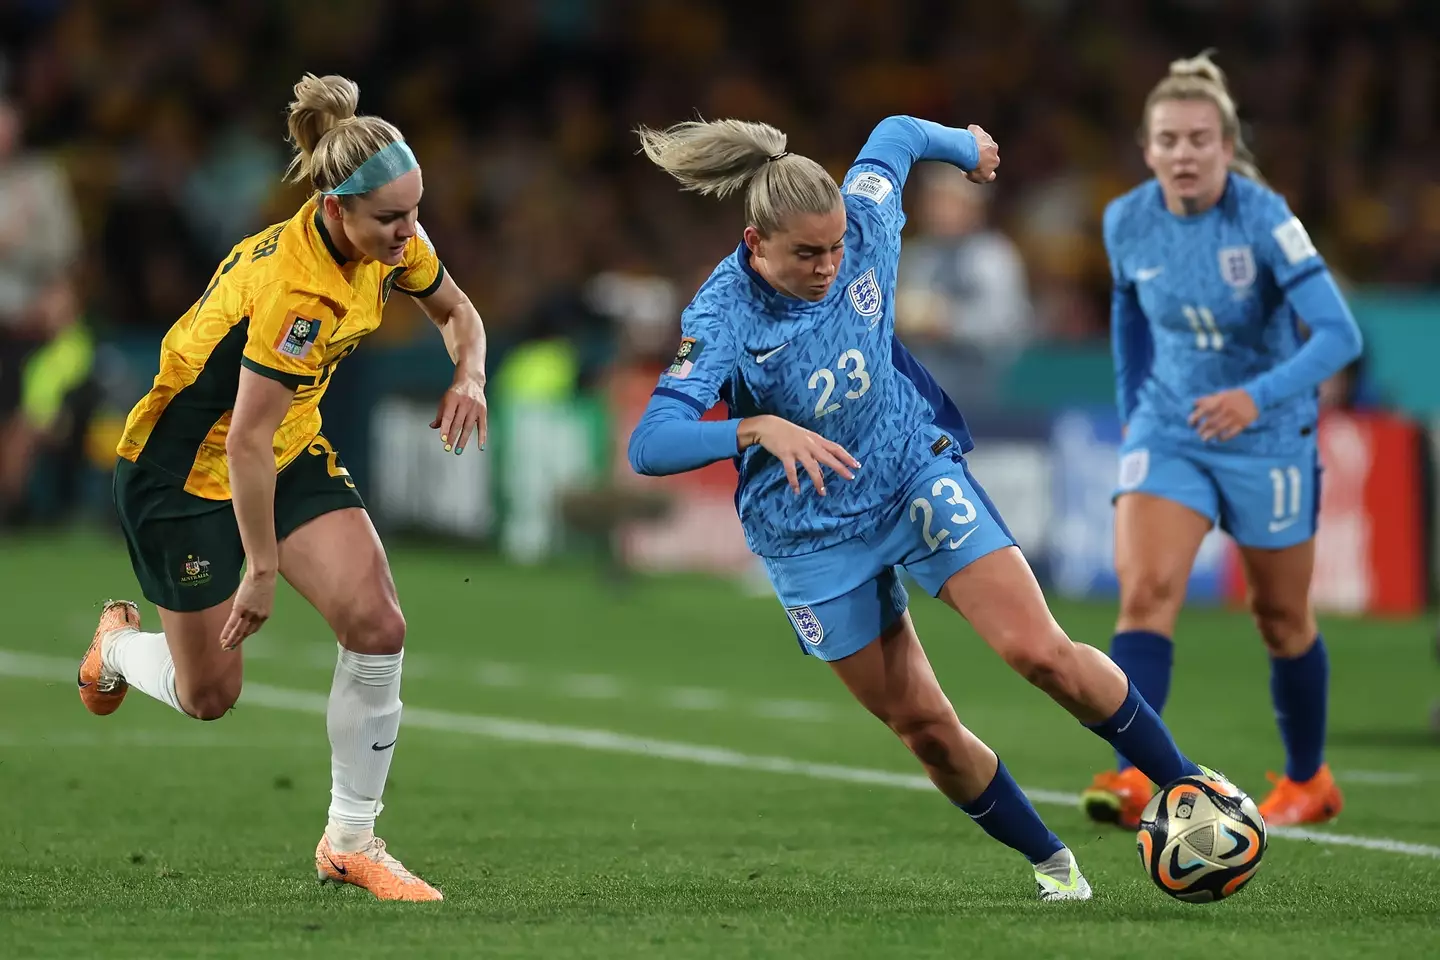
x=102, y=690
x=372, y=868
x=1118, y=797
x=1309, y=801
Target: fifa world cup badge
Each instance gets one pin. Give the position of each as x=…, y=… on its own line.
x=685, y=358
x=297, y=341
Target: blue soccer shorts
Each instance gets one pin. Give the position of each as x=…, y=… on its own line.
x=1269, y=502
x=841, y=598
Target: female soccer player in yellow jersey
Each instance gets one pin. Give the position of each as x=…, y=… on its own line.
x=222, y=465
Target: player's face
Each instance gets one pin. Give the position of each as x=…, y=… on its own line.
x=1187, y=151
x=802, y=258
x=380, y=223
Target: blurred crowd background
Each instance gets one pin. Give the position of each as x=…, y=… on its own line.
x=139, y=139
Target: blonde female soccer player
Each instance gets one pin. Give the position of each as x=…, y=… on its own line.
x=1217, y=386
x=795, y=333
x=222, y=465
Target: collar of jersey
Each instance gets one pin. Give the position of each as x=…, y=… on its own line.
x=772, y=296
x=335, y=254
x=1225, y=205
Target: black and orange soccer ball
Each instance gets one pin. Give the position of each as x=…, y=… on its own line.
x=1201, y=838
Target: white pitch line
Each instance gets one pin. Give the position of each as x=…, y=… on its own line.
x=1385, y=778
x=525, y=731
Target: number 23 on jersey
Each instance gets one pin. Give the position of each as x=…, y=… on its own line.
x=852, y=364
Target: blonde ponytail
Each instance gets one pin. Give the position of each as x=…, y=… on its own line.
x=330, y=140
x=719, y=157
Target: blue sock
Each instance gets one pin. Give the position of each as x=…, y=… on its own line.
x=1147, y=659
x=1136, y=731
x=1299, y=688
x=1003, y=811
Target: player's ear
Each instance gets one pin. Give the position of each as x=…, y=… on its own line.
x=753, y=239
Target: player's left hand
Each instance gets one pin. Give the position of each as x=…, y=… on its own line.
x=462, y=410
x=1222, y=415
x=989, y=155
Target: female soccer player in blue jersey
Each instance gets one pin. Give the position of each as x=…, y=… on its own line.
x=795, y=332
x=1217, y=389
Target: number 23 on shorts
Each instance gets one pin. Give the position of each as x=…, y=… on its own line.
x=950, y=496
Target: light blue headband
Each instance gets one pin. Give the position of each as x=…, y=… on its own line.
x=388, y=163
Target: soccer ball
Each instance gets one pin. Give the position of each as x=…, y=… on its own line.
x=1201, y=839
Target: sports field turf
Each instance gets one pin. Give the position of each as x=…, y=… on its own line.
x=583, y=771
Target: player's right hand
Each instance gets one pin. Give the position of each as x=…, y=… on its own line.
x=250, y=610
x=792, y=445
x=989, y=155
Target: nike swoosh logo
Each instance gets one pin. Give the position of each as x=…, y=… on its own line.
x=955, y=544
x=762, y=357
x=376, y=746
x=1148, y=273
x=1277, y=525
x=1131, y=720
x=338, y=869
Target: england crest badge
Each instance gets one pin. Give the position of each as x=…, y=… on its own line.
x=1237, y=268
x=865, y=294
x=811, y=630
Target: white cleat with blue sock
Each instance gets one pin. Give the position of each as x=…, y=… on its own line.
x=1059, y=878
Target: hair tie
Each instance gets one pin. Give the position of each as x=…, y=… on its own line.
x=776, y=156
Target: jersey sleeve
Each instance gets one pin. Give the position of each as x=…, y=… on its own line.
x=1110, y=231
x=704, y=361
x=423, y=269
x=1132, y=349
x=288, y=332
x=1281, y=242
x=872, y=194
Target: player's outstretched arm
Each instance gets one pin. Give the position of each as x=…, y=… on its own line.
x=261, y=403
x=463, y=408
x=671, y=438
x=899, y=142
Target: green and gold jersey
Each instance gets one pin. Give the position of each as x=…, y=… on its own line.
x=285, y=304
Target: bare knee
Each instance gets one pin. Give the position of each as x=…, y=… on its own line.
x=211, y=701
x=1151, y=599
x=381, y=631
x=931, y=736
x=1044, y=660
x=1288, y=628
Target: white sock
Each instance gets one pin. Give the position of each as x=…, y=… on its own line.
x=143, y=659
x=363, y=721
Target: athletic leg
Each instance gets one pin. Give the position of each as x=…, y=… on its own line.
x=892, y=678
x=998, y=594
x=336, y=562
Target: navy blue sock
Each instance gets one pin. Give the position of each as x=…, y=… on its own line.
x=1299, y=687
x=1136, y=731
x=1003, y=811
x=1147, y=659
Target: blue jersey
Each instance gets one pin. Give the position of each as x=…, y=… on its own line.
x=833, y=366
x=1201, y=306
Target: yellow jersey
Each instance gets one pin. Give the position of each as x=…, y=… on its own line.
x=286, y=304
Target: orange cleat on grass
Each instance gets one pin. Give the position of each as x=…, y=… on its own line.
x=373, y=869
x=1291, y=803
x=101, y=690
x=1118, y=797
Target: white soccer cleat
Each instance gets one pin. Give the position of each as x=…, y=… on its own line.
x=1059, y=878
